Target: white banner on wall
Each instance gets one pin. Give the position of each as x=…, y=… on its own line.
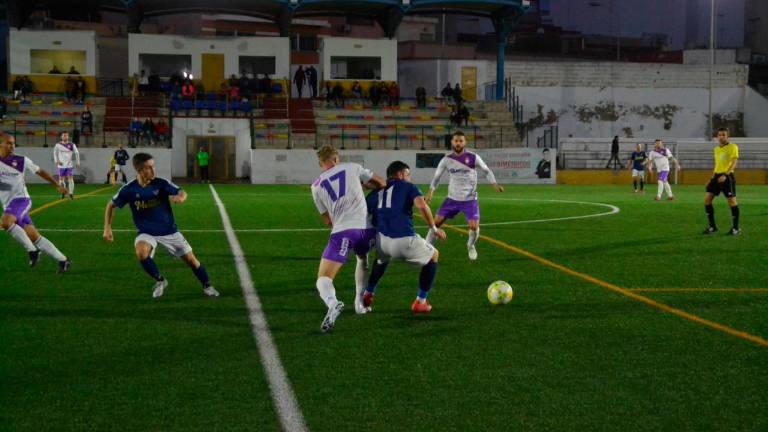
x=521, y=165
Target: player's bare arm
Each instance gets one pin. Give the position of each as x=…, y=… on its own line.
x=327, y=219
x=109, y=214
x=421, y=204
x=45, y=175
x=179, y=197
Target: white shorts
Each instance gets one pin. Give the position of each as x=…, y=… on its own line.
x=175, y=243
x=118, y=168
x=413, y=250
x=638, y=173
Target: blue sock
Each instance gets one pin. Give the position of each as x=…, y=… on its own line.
x=376, y=273
x=151, y=268
x=426, y=278
x=201, y=275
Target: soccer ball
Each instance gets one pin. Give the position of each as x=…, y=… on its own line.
x=500, y=292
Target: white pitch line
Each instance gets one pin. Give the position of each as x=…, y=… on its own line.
x=613, y=208
x=285, y=402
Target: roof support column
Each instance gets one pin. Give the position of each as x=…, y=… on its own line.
x=135, y=15
x=284, y=20
x=503, y=23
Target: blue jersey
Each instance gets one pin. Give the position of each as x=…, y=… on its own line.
x=392, y=208
x=150, y=205
x=637, y=159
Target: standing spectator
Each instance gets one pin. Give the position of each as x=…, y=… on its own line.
x=202, y=162
x=394, y=94
x=357, y=91
x=86, y=120
x=457, y=96
x=312, y=81
x=80, y=90
x=614, y=154
x=134, y=132
x=148, y=131
x=463, y=114
x=447, y=92
x=299, y=78
x=421, y=97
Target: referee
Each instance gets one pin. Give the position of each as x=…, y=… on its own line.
x=723, y=180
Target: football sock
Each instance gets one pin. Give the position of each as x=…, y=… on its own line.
x=46, y=246
x=71, y=186
x=634, y=183
x=327, y=291
x=20, y=236
x=710, y=215
x=735, y=216
x=62, y=182
x=426, y=278
x=151, y=268
x=376, y=273
x=668, y=188
x=473, y=235
x=661, y=188
x=431, y=237
x=125, y=180
x=202, y=275
x=360, y=275
x=642, y=184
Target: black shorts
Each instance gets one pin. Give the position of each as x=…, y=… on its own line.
x=728, y=187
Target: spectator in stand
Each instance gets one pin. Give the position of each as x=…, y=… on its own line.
x=266, y=84
x=328, y=94
x=16, y=88
x=86, y=120
x=312, y=81
x=447, y=92
x=234, y=93
x=73, y=71
x=69, y=88
x=394, y=94
x=26, y=87
x=188, y=89
x=454, y=118
x=134, y=132
x=243, y=84
x=223, y=90
x=357, y=92
x=463, y=115
x=80, y=90
x=232, y=80
x=162, y=130
x=3, y=107
x=457, y=96
x=143, y=82
x=374, y=93
x=55, y=70
x=421, y=97
x=299, y=78
x=148, y=131
x=385, y=93
x=338, y=95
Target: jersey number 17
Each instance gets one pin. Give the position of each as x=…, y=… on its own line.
x=341, y=180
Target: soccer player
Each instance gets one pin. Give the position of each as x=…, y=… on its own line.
x=723, y=180
x=462, y=166
x=338, y=196
x=17, y=202
x=392, y=210
x=637, y=165
x=63, y=154
x=121, y=158
x=150, y=200
x=660, y=157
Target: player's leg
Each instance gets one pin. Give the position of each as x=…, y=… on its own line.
x=729, y=189
x=45, y=245
x=668, y=189
x=709, y=208
x=16, y=232
x=71, y=185
x=427, y=256
x=63, y=179
x=362, y=247
x=145, y=246
x=471, y=210
x=447, y=210
x=122, y=172
x=634, y=180
x=642, y=181
x=326, y=272
x=200, y=273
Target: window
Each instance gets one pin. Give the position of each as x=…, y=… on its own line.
x=355, y=67
x=165, y=65
x=43, y=61
x=257, y=65
x=303, y=43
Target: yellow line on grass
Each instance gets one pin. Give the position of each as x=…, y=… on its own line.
x=623, y=291
x=61, y=200
x=698, y=289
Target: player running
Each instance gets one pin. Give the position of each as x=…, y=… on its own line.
x=339, y=199
x=150, y=200
x=462, y=166
x=17, y=203
x=637, y=165
x=660, y=157
x=723, y=180
x=392, y=211
x=64, y=152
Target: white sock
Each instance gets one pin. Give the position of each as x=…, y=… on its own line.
x=473, y=235
x=62, y=182
x=327, y=291
x=661, y=188
x=361, y=275
x=20, y=236
x=431, y=237
x=71, y=186
x=668, y=188
x=46, y=246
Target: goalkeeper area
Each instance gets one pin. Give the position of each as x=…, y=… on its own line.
x=625, y=317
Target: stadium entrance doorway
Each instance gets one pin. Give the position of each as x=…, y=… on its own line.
x=221, y=151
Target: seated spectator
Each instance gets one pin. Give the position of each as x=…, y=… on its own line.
x=234, y=93
x=421, y=97
x=338, y=95
x=266, y=84
x=188, y=89
x=134, y=132
x=374, y=93
x=73, y=71
x=86, y=120
x=162, y=130
x=55, y=70
x=224, y=90
x=232, y=80
x=148, y=131
x=385, y=93
x=394, y=94
x=357, y=91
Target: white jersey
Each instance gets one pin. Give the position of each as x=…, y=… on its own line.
x=339, y=193
x=64, y=154
x=462, y=168
x=12, y=184
x=660, y=158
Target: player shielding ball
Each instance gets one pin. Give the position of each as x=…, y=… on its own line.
x=17, y=203
x=723, y=181
x=462, y=167
x=338, y=196
x=149, y=198
x=660, y=157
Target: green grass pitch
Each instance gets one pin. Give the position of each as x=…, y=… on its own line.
x=91, y=350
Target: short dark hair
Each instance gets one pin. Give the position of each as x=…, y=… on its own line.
x=395, y=167
x=723, y=129
x=458, y=133
x=545, y=150
x=139, y=159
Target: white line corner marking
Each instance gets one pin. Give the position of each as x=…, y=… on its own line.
x=284, y=400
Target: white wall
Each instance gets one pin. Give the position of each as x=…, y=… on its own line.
x=755, y=113
x=231, y=47
x=238, y=128
x=22, y=41
x=95, y=162
x=353, y=47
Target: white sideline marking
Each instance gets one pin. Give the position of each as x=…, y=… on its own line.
x=283, y=398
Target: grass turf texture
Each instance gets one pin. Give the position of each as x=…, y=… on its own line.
x=91, y=349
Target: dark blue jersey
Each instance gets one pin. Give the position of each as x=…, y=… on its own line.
x=637, y=159
x=150, y=205
x=392, y=208
x=121, y=156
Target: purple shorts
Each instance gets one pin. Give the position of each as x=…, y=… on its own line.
x=663, y=176
x=65, y=172
x=359, y=240
x=451, y=208
x=19, y=207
